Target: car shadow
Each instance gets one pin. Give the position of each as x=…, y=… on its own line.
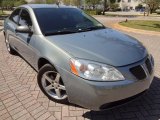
x=146, y=106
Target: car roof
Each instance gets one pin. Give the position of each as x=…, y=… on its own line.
x=33, y=6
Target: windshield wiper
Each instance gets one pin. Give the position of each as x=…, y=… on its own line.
x=91, y=28
x=67, y=31
x=61, y=32
x=96, y=27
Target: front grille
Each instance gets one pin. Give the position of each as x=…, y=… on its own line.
x=149, y=66
x=141, y=71
x=138, y=72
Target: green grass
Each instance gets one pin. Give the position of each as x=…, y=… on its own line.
x=143, y=24
x=1, y=12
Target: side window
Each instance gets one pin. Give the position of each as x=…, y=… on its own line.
x=15, y=16
x=25, y=18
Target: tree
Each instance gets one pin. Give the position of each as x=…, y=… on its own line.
x=108, y=3
x=72, y=2
x=67, y=2
x=39, y=1
x=152, y=4
x=76, y=2
x=51, y=1
x=19, y=2
x=139, y=6
x=7, y=4
x=93, y=3
x=112, y=1
x=1, y=5
x=104, y=6
x=114, y=6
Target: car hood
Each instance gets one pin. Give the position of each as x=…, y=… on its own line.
x=105, y=46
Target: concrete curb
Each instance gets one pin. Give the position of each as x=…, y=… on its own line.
x=120, y=27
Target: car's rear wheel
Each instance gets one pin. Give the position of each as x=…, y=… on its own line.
x=9, y=48
x=51, y=84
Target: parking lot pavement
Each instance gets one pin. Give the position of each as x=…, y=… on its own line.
x=1, y=28
x=21, y=98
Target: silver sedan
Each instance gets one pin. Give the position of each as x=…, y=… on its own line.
x=77, y=58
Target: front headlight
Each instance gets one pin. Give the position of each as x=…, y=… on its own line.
x=94, y=71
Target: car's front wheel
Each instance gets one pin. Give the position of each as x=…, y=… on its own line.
x=51, y=84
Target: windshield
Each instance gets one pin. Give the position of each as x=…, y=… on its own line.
x=54, y=21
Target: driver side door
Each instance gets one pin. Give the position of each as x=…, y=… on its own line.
x=26, y=40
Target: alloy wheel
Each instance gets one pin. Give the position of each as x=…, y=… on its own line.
x=53, y=85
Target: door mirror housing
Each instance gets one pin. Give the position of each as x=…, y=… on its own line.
x=23, y=29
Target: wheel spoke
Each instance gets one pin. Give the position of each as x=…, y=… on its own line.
x=58, y=93
x=57, y=78
x=62, y=87
x=49, y=87
x=47, y=78
x=6, y=41
x=7, y=45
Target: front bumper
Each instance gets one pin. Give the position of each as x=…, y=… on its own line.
x=93, y=95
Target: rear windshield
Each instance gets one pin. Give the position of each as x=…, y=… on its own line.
x=65, y=20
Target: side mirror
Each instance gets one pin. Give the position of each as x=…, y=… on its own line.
x=23, y=29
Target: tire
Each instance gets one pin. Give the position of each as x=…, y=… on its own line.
x=51, y=84
x=9, y=48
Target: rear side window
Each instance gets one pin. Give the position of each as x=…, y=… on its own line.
x=15, y=16
x=25, y=18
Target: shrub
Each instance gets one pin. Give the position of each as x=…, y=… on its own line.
x=118, y=9
x=114, y=7
x=90, y=12
x=94, y=12
x=158, y=11
x=139, y=7
x=99, y=12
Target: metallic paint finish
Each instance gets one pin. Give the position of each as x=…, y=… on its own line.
x=105, y=46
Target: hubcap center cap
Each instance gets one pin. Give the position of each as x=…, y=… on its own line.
x=56, y=85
